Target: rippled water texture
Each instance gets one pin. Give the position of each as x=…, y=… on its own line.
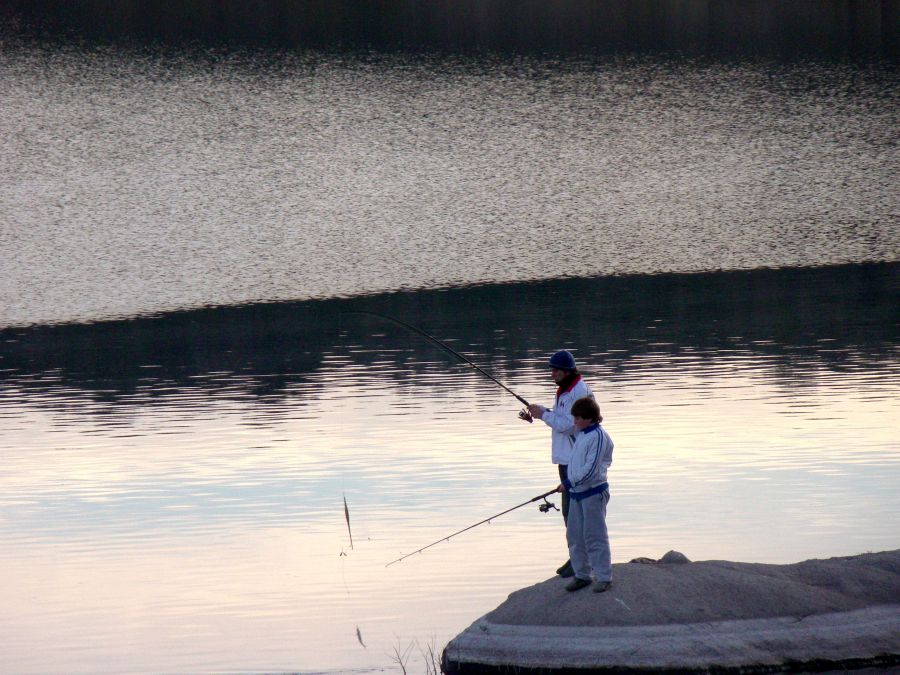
x=171, y=498
x=187, y=397
x=136, y=181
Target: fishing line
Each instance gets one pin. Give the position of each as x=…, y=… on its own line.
x=343, y=556
x=449, y=349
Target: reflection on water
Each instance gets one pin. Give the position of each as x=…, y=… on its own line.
x=178, y=179
x=172, y=490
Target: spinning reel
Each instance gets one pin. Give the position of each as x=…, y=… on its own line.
x=546, y=506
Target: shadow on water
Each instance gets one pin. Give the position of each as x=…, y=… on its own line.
x=839, y=318
x=836, y=27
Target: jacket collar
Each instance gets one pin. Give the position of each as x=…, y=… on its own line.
x=595, y=425
x=568, y=384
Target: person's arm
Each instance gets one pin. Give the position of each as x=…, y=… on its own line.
x=560, y=421
x=559, y=418
x=607, y=453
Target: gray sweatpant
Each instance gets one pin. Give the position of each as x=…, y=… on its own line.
x=588, y=539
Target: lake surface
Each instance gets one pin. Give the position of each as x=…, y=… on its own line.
x=187, y=395
x=175, y=179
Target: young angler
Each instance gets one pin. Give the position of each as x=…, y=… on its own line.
x=588, y=493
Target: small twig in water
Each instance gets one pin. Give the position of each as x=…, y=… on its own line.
x=430, y=657
x=347, y=516
x=400, y=657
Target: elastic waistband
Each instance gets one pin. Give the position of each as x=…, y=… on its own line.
x=578, y=496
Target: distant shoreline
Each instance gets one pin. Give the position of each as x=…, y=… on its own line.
x=689, y=26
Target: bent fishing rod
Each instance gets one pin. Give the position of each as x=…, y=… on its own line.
x=546, y=506
x=445, y=347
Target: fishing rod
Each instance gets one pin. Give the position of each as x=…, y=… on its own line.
x=546, y=506
x=447, y=348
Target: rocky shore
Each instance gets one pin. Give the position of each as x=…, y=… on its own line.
x=718, y=616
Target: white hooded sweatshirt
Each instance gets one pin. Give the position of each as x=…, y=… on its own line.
x=560, y=420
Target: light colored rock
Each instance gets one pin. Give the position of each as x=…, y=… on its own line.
x=711, y=614
x=674, y=558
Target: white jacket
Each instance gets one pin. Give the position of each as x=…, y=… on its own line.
x=559, y=419
x=591, y=458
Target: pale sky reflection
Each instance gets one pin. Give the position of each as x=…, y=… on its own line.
x=130, y=543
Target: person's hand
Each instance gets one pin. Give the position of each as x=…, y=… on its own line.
x=560, y=488
x=536, y=410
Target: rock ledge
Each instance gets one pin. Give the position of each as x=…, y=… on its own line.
x=711, y=616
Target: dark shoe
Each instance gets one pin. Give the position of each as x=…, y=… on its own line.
x=566, y=570
x=577, y=584
x=602, y=586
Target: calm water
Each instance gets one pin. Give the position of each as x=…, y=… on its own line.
x=187, y=398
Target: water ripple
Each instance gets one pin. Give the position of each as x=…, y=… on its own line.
x=226, y=179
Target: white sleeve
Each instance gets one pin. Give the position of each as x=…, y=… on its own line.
x=561, y=422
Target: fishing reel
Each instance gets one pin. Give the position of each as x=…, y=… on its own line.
x=546, y=506
x=525, y=415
